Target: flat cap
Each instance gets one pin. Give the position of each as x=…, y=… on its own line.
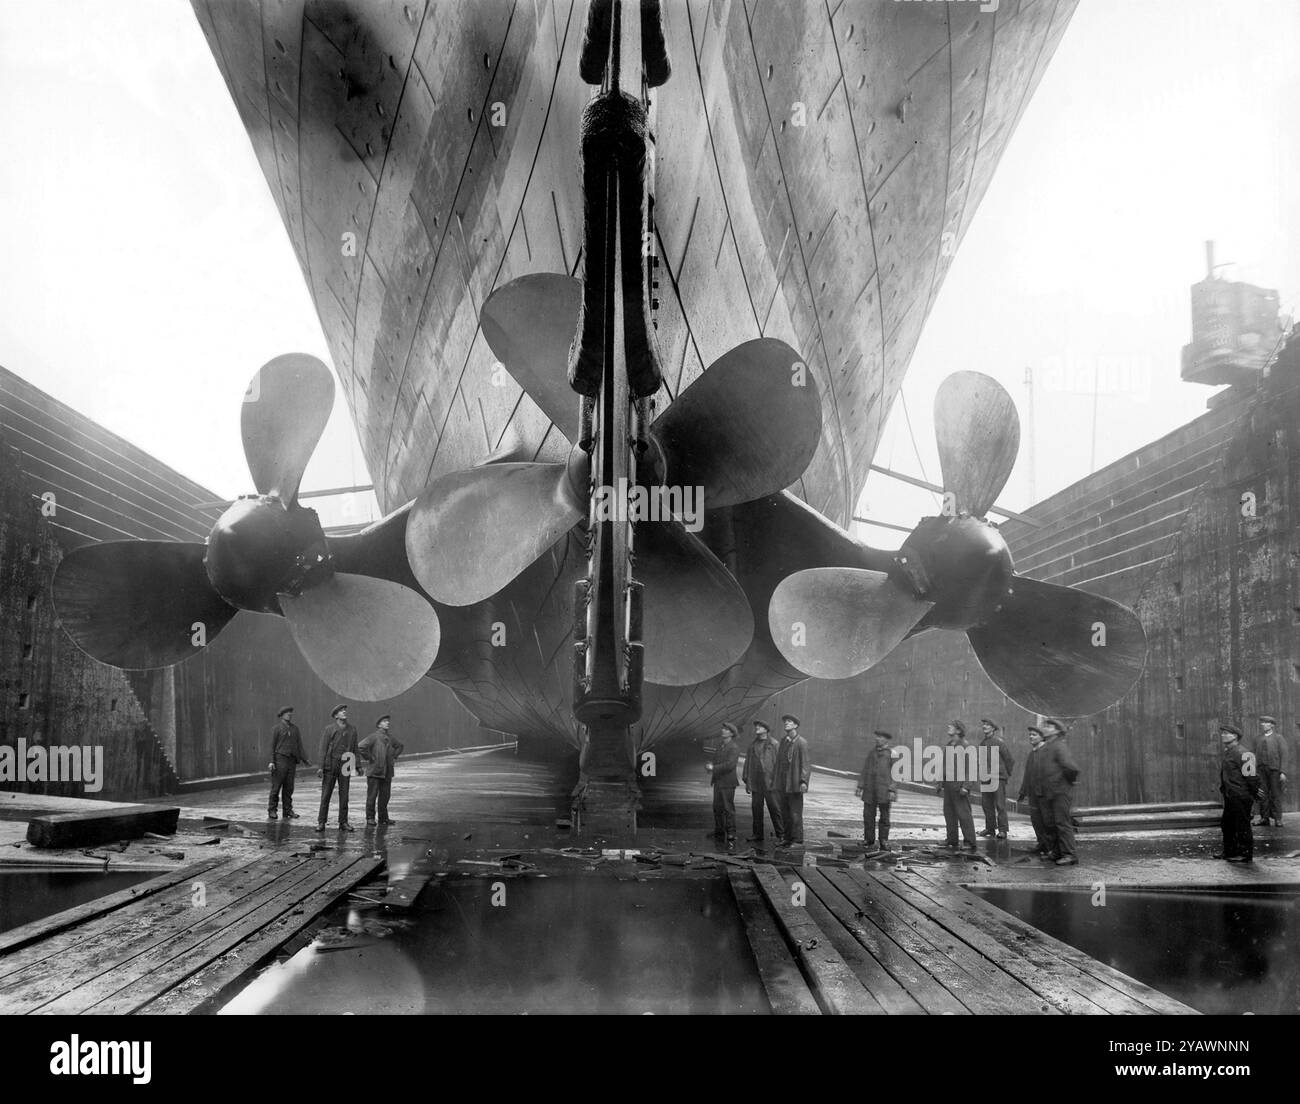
x=1034, y=728
x=763, y=725
x=1266, y=719
x=286, y=709
x=338, y=708
x=789, y=717
x=731, y=728
x=1231, y=728
x=881, y=732
x=992, y=724
x=385, y=717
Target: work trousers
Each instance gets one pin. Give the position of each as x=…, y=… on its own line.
x=1237, y=836
x=377, y=789
x=792, y=817
x=1270, y=793
x=765, y=797
x=724, y=812
x=1056, y=810
x=869, y=812
x=283, y=774
x=1036, y=820
x=327, y=783
x=956, y=811
x=994, y=804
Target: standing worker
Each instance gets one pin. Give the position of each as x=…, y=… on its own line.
x=760, y=779
x=1239, y=784
x=876, y=788
x=1271, y=758
x=723, y=770
x=379, y=752
x=286, y=754
x=1029, y=790
x=956, y=787
x=1056, y=775
x=793, y=770
x=994, y=802
x=338, y=763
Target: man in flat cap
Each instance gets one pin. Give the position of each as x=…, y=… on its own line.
x=1056, y=775
x=994, y=802
x=793, y=771
x=723, y=770
x=876, y=788
x=286, y=754
x=379, y=752
x=1029, y=791
x=1239, y=784
x=338, y=763
x=956, y=787
x=760, y=780
x=1271, y=757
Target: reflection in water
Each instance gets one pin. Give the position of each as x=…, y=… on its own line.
x=27, y=895
x=571, y=944
x=1220, y=952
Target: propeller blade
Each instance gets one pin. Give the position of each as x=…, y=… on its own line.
x=696, y=620
x=978, y=433
x=836, y=622
x=285, y=410
x=1059, y=650
x=529, y=325
x=367, y=639
x=472, y=532
x=746, y=428
x=138, y=604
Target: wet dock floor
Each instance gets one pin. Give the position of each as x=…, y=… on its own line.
x=585, y=927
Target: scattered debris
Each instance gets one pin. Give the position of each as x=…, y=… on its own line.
x=156, y=836
x=467, y=835
x=839, y=835
x=561, y=822
x=205, y=843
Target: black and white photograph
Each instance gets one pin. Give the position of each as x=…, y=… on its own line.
x=610, y=508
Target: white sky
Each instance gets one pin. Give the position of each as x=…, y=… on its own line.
x=146, y=273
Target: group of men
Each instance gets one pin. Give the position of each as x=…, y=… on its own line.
x=1245, y=777
x=342, y=756
x=776, y=776
x=1046, y=786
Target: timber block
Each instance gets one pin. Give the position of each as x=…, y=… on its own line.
x=95, y=826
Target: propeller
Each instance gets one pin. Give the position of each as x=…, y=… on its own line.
x=715, y=436
x=148, y=604
x=1052, y=649
x=696, y=620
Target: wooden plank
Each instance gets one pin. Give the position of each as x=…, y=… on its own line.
x=1116, y=991
x=60, y=921
x=1046, y=983
x=188, y=950
x=90, y=827
x=892, y=997
x=906, y=959
x=835, y=986
x=996, y=991
x=787, y=991
x=240, y=947
x=203, y=991
x=118, y=936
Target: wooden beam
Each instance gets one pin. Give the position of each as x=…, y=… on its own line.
x=787, y=990
x=93, y=827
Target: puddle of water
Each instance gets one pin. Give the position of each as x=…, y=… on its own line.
x=1222, y=952
x=569, y=944
x=27, y=895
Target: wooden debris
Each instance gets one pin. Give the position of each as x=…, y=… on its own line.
x=92, y=827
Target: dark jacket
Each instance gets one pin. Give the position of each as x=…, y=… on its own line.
x=286, y=741
x=1029, y=782
x=961, y=770
x=1237, y=777
x=1272, y=752
x=379, y=752
x=760, y=764
x=793, y=765
x=876, y=782
x=337, y=740
x=1006, y=761
x=1057, y=771
x=724, y=764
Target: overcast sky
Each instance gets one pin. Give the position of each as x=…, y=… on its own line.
x=146, y=273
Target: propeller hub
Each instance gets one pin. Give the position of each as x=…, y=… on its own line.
x=259, y=549
x=962, y=565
